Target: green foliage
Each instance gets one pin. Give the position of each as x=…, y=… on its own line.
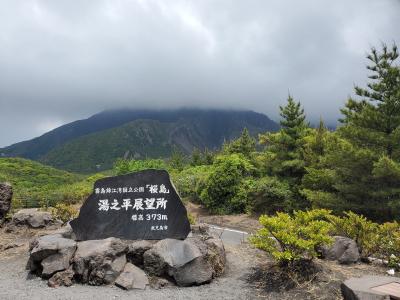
x=195, y=159
x=208, y=157
x=244, y=145
x=292, y=238
x=64, y=212
x=125, y=166
x=268, y=195
x=192, y=219
x=98, y=151
x=74, y=193
x=199, y=158
x=378, y=240
x=360, y=229
x=223, y=183
x=189, y=181
x=358, y=168
x=374, y=120
x=388, y=243
x=284, y=150
x=34, y=184
x=177, y=160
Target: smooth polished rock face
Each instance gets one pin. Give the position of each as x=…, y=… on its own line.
x=138, y=206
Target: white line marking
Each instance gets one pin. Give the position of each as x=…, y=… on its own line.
x=227, y=229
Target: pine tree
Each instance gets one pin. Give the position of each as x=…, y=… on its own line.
x=196, y=159
x=245, y=144
x=285, y=146
x=284, y=149
x=374, y=120
x=359, y=168
x=293, y=120
x=177, y=160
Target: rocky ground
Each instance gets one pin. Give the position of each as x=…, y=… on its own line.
x=17, y=284
x=249, y=273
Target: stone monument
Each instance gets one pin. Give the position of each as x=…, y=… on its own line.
x=138, y=206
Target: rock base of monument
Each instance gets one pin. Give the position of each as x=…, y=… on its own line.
x=63, y=261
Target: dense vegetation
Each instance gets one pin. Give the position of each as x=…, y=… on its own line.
x=36, y=185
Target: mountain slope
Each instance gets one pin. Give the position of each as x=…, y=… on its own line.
x=31, y=180
x=138, y=139
x=94, y=143
x=37, y=147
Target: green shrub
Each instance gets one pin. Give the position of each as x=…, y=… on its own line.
x=125, y=166
x=188, y=181
x=293, y=238
x=192, y=219
x=364, y=232
x=64, y=212
x=378, y=240
x=222, y=185
x=268, y=195
x=388, y=243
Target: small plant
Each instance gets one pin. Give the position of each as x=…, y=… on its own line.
x=363, y=231
x=64, y=212
x=388, y=243
x=290, y=239
x=192, y=218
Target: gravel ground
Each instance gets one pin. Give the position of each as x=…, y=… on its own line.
x=15, y=283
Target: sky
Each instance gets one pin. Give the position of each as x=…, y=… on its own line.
x=66, y=60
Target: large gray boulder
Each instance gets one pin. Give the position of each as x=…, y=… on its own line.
x=196, y=272
x=99, y=261
x=169, y=253
x=136, y=251
x=193, y=261
x=132, y=277
x=202, y=269
x=50, y=254
x=66, y=232
x=344, y=250
x=32, y=217
x=6, y=193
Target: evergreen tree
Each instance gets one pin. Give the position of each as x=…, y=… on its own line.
x=285, y=146
x=208, y=157
x=245, y=144
x=293, y=121
x=359, y=168
x=374, y=120
x=177, y=160
x=196, y=159
x=284, y=149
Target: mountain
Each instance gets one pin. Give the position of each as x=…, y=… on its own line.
x=94, y=143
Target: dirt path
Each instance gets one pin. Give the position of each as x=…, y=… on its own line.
x=240, y=221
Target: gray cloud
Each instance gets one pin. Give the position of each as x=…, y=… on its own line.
x=65, y=60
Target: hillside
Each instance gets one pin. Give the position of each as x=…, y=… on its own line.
x=217, y=125
x=93, y=144
x=32, y=180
